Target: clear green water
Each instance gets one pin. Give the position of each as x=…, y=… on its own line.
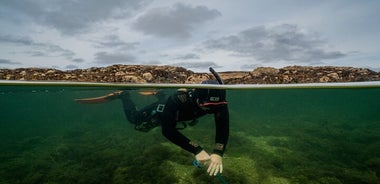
x=277, y=136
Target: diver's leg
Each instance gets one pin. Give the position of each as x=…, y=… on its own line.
x=148, y=117
x=161, y=96
x=129, y=108
x=144, y=119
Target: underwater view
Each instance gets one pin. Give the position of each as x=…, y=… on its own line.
x=277, y=136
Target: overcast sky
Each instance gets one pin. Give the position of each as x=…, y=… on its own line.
x=227, y=35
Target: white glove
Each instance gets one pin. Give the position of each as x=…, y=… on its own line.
x=216, y=165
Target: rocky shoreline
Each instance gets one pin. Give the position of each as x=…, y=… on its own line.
x=179, y=75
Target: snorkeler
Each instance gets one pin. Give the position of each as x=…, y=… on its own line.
x=184, y=105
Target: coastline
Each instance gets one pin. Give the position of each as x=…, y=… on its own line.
x=178, y=75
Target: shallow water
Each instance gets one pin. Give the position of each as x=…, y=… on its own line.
x=284, y=135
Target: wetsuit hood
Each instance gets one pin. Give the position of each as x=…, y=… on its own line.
x=210, y=97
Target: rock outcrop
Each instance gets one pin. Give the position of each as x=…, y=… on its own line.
x=306, y=74
x=170, y=74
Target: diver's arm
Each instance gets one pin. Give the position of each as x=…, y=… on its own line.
x=221, y=129
x=170, y=132
x=221, y=138
x=180, y=140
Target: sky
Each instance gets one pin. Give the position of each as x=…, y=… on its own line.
x=227, y=35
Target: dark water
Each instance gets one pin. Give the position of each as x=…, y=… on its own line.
x=277, y=136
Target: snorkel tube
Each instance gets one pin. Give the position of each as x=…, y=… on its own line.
x=216, y=75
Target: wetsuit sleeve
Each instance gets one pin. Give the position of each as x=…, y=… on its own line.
x=168, y=125
x=222, y=129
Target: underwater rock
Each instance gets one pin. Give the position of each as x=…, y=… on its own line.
x=179, y=75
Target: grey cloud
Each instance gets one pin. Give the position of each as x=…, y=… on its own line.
x=71, y=17
x=16, y=40
x=197, y=65
x=38, y=49
x=114, y=41
x=113, y=58
x=188, y=56
x=8, y=62
x=78, y=60
x=177, y=21
x=61, y=52
x=36, y=53
x=153, y=62
x=270, y=44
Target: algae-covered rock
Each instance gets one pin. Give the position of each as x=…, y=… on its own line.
x=266, y=144
x=183, y=173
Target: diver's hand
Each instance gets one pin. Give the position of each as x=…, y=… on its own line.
x=203, y=157
x=216, y=165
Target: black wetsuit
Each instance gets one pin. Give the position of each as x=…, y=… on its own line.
x=179, y=107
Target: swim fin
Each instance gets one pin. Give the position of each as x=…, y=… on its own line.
x=148, y=92
x=112, y=96
x=100, y=99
